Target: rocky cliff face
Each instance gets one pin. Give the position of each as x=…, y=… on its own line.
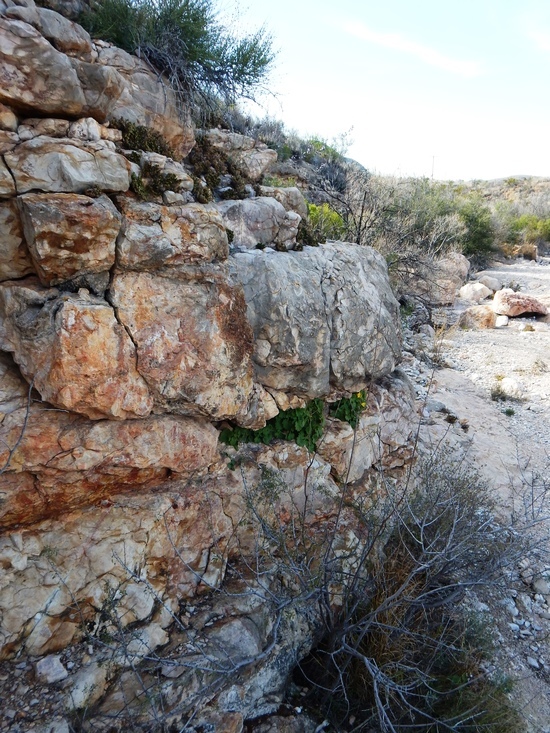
x=131, y=332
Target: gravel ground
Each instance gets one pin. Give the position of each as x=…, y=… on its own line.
x=509, y=440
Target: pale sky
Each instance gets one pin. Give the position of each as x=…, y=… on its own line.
x=457, y=85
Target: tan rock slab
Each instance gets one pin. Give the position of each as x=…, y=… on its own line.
x=64, y=461
x=8, y=141
x=86, y=129
x=478, y=316
x=73, y=348
x=192, y=338
x=133, y=92
x=101, y=86
x=175, y=536
x=8, y=119
x=48, y=126
x=33, y=75
x=69, y=234
x=7, y=184
x=156, y=236
x=62, y=33
x=65, y=165
x=15, y=259
x=252, y=156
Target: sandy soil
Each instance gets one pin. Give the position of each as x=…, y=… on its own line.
x=510, y=443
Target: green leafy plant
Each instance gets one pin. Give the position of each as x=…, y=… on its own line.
x=303, y=425
x=348, y=409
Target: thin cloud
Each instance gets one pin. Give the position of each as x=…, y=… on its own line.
x=429, y=55
x=541, y=39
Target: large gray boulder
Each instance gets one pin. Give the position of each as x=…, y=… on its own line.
x=262, y=221
x=325, y=317
x=290, y=197
x=252, y=156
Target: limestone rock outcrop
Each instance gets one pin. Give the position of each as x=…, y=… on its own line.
x=34, y=76
x=260, y=221
x=64, y=461
x=291, y=198
x=192, y=341
x=383, y=434
x=252, y=156
x=15, y=259
x=73, y=349
x=325, y=317
x=67, y=165
x=54, y=69
x=156, y=236
x=69, y=234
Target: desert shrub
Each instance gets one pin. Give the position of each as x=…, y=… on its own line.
x=210, y=164
x=279, y=181
x=400, y=650
x=479, y=237
x=153, y=182
x=325, y=222
x=186, y=41
x=305, y=236
x=139, y=137
x=316, y=150
x=531, y=228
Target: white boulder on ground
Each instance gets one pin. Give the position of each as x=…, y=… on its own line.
x=474, y=292
x=512, y=388
x=490, y=282
x=478, y=316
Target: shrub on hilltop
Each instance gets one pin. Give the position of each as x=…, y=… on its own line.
x=186, y=41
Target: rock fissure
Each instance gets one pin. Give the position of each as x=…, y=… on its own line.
x=10, y=173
